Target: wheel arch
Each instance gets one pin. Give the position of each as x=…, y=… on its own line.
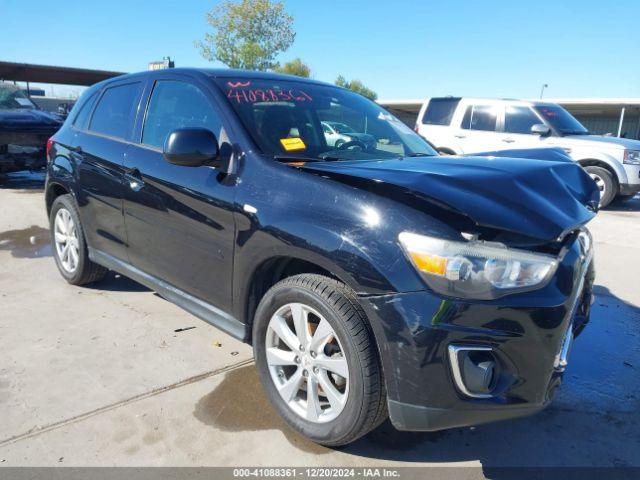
x=271, y=271
x=54, y=190
x=594, y=162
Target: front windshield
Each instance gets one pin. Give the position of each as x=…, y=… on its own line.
x=561, y=120
x=12, y=98
x=285, y=119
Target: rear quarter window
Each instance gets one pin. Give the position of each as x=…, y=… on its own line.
x=82, y=118
x=440, y=111
x=115, y=110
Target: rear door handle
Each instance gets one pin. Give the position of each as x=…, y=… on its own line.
x=508, y=140
x=134, y=178
x=460, y=136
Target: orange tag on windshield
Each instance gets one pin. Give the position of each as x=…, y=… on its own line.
x=290, y=144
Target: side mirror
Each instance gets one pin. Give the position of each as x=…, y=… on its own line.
x=540, y=129
x=191, y=147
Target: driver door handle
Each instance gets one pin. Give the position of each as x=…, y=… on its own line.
x=133, y=178
x=508, y=140
x=459, y=135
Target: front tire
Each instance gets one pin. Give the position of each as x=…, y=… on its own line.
x=69, y=244
x=605, y=182
x=318, y=361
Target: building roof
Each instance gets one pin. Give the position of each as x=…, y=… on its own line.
x=595, y=104
x=595, y=101
x=26, y=72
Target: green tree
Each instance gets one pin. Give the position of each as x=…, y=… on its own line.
x=247, y=34
x=295, y=67
x=357, y=86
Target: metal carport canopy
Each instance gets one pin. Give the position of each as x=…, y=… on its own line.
x=25, y=72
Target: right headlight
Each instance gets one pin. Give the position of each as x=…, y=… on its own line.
x=632, y=157
x=475, y=269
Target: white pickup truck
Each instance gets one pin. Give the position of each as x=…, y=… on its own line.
x=458, y=126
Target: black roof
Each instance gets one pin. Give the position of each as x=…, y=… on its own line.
x=221, y=73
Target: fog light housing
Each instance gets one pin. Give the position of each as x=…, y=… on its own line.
x=474, y=369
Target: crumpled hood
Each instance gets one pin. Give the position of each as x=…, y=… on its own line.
x=537, y=199
x=17, y=118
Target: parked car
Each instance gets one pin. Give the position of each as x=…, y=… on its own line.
x=440, y=291
x=25, y=126
x=337, y=134
x=470, y=125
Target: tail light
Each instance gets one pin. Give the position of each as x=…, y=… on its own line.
x=415, y=128
x=49, y=145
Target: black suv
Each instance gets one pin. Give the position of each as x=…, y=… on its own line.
x=372, y=280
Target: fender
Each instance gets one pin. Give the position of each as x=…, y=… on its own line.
x=608, y=162
x=60, y=175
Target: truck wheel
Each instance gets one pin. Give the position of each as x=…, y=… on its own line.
x=606, y=184
x=318, y=361
x=69, y=245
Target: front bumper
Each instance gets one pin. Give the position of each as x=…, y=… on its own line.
x=629, y=188
x=525, y=332
x=632, y=184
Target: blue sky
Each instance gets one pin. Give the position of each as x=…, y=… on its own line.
x=402, y=49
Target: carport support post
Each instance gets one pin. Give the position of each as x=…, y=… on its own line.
x=621, y=120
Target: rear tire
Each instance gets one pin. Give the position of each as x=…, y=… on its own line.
x=363, y=403
x=605, y=182
x=66, y=232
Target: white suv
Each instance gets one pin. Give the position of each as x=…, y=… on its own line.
x=469, y=125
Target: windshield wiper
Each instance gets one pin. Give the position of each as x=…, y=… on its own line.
x=302, y=158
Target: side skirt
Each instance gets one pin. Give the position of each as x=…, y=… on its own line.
x=191, y=304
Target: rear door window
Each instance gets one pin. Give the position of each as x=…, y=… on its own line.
x=176, y=104
x=440, y=111
x=114, y=113
x=519, y=119
x=480, y=117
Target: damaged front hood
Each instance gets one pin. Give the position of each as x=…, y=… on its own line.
x=533, y=198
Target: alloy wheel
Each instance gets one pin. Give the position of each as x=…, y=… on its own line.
x=66, y=240
x=307, y=363
x=600, y=183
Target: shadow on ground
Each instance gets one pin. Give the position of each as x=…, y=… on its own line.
x=114, y=282
x=626, y=205
x=594, y=420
